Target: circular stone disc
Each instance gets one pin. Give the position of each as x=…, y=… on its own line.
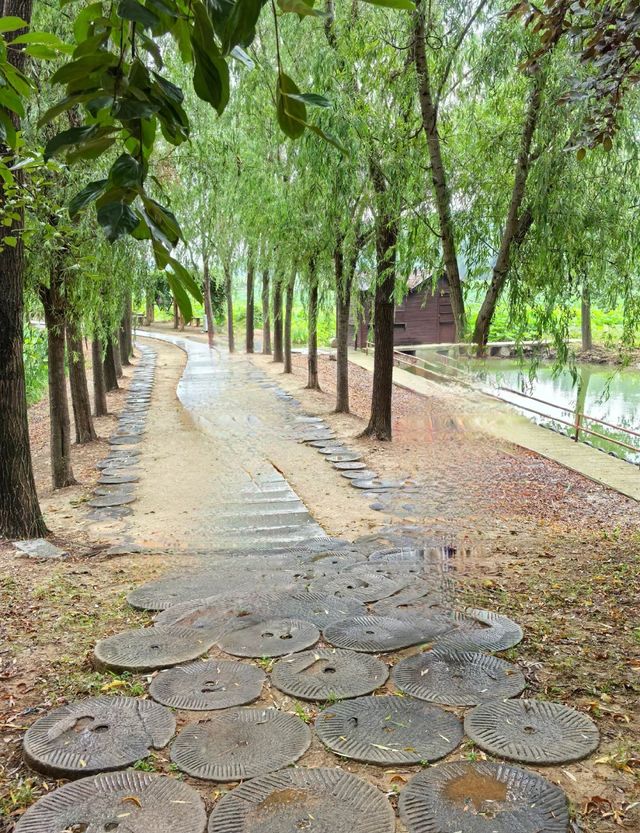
x=371, y=634
x=463, y=679
x=365, y=474
x=113, y=499
x=268, y=637
x=350, y=466
x=347, y=457
x=215, y=684
x=483, y=630
x=333, y=450
x=310, y=420
x=328, y=673
x=240, y=743
x=146, y=649
x=374, y=484
x=140, y=802
x=108, y=478
x=96, y=735
x=366, y=587
x=482, y=797
x=125, y=439
x=389, y=730
x=122, y=462
x=532, y=731
x=123, y=489
x=316, y=608
x=314, y=800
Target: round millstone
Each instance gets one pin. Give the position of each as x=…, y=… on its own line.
x=125, y=439
x=332, y=450
x=373, y=484
x=365, y=474
x=316, y=608
x=140, y=802
x=366, y=587
x=483, y=630
x=96, y=735
x=240, y=744
x=532, y=731
x=268, y=637
x=109, y=478
x=350, y=466
x=214, y=684
x=329, y=673
x=117, y=462
x=113, y=499
x=389, y=730
x=372, y=634
x=345, y=457
x=146, y=649
x=123, y=489
x=309, y=420
x=310, y=437
x=322, y=443
x=458, y=679
x=482, y=797
x=304, y=799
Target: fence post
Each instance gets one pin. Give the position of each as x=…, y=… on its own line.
x=577, y=426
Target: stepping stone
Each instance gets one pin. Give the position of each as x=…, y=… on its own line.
x=117, y=479
x=372, y=485
x=377, y=507
x=329, y=673
x=39, y=548
x=532, y=731
x=126, y=439
x=145, y=649
x=96, y=735
x=339, y=560
x=482, y=797
x=333, y=450
x=303, y=799
x=322, y=443
x=123, y=489
x=345, y=457
x=211, y=615
x=363, y=474
x=373, y=634
x=364, y=587
x=483, y=630
x=464, y=679
x=354, y=466
x=268, y=637
x=115, y=499
x=311, y=420
x=136, y=801
x=201, y=686
x=117, y=463
x=316, y=608
x=240, y=744
x=389, y=730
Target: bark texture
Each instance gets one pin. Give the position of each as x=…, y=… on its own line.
x=249, y=341
x=116, y=356
x=344, y=280
x=266, y=321
x=585, y=318
x=228, y=291
x=125, y=335
x=278, y=355
x=99, y=385
x=312, y=352
x=149, y=313
x=208, y=306
x=288, y=313
x=109, y=367
x=82, y=419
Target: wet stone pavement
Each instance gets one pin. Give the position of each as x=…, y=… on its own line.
x=366, y=632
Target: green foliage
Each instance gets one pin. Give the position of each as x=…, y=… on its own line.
x=35, y=363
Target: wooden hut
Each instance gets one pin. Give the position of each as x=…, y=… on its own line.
x=425, y=315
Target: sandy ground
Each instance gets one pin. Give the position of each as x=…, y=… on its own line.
x=553, y=550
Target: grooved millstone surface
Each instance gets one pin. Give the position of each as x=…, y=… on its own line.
x=297, y=800
x=463, y=679
x=482, y=798
x=268, y=637
x=346, y=457
x=113, y=499
x=240, y=743
x=326, y=673
x=113, y=478
x=367, y=587
x=146, y=649
x=492, y=632
x=316, y=608
x=125, y=802
x=389, y=730
x=382, y=633
x=532, y=731
x=215, y=684
x=96, y=735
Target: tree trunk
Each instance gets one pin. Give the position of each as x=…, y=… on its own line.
x=249, y=318
x=288, y=312
x=312, y=353
x=116, y=356
x=266, y=324
x=516, y=225
x=343, y=312
x=278, y=355
x=109, y=366
x=125, y=337
x=208, y=306
x=99, y=384
x=20, y=515
x=149, y=313
x=53, y=301
x=438, y=175
x=85, y=431
x=228, y=291
x=585, y=318
x=176, y=317
x=386, y=238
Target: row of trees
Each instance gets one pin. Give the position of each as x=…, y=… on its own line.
x=436, y=142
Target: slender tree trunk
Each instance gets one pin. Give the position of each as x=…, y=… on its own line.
x=208, y=306
x=228, y=291
x=517, y=224
x=20, y=515
x=278, y=355
x=266, y=322
x=53, y=301
x=99, y=384
x=109, y=366
x=83, y=421
x=438, y=175
x=176, y=317
x=585, y=318
x=250, y=316
x=312, y=353
x=149, y=313
x=116, y=356
x=125, y=336
x=386, y=238
x=288, y=313
x=344, y=279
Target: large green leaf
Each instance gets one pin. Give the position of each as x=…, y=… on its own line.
x=180, y=294
x=11, y=101
x=117, y=219
x=211, y=77
x=313, y=99
x=67, y=138
x=403, y=5
x=292, y=113
x=80, y=69
x=92, y=149
x=300, y=7
x=44, y=39
x=186, y=279
x=12, y=23
x=132, y=10
x=163, y=220
x=125, y=172
x=7, y=130
x=88, y=194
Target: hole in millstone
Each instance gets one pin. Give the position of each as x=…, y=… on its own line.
x=267, y=635
x=530, y=729
x=102, y=727
x=80, y=827
x=329, y=670
x=112, y=825
x=83, y=723
x=352, y=722
x=209, y=686
x=285, y=636
x=154, y=647
x=457, y=676
x=371, y=633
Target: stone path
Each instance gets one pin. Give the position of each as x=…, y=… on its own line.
x=339, y=618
